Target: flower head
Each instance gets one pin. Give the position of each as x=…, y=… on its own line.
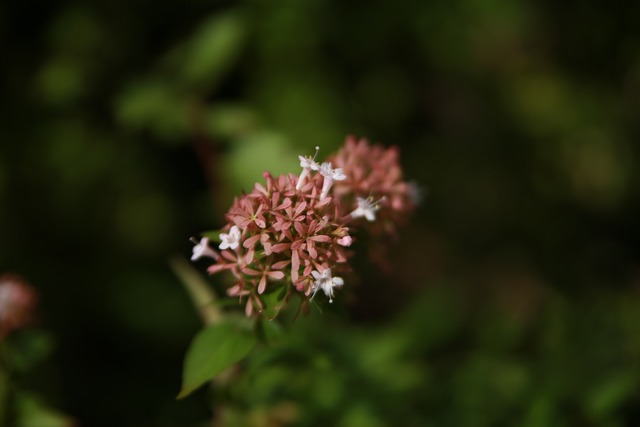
x=325, y=282
x=230, y=240
x=297, y=234
x=290, y=234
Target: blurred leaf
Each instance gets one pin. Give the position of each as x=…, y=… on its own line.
x=212, y=50
x=27, y=348
x=230, y=121
x=62, y=81
x=154, y=105
x=361, y=415
x=270, y=331
x=540, y=412
x=543, y=102
x=255, y=154
x=31, y=412
x=213, y=350
x=610, y=394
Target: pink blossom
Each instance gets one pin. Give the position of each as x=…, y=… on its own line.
x=294, y=233
x=17, y=304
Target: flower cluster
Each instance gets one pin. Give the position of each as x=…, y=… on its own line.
x=292, y=232
x=375, y=185
x=17, y=304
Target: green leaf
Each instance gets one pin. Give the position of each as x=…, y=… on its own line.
x=213, y=49
x=27, y=349
x=31, y=412
x=230, y=121
x=155, y=105
x=273, y=303
x=270, y=331
x=611, y=394
x=256, y=152
x=213, y=350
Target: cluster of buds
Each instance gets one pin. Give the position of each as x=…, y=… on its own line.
x=293, y=232
x=17, y=304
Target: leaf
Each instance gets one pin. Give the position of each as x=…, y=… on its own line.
x=153, y=104
x=270, y=331
x=611, y=394
x=273, y=303
x=256, y=152
x=213, y=350
x=31, y=412
x=28, y=348
x=213, y=49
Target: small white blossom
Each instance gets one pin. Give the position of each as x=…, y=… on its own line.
x=231, y=240
x=333, y=174
x=330, y=175
x=325, y=282
x=307, y=164
x=366, y=208
x=202, y=249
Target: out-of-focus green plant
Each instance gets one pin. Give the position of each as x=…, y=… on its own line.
x=22, y=348
x=521, y=116
x=285, y=243
x=483, y=366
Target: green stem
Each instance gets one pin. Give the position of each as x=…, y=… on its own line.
x=198, y=289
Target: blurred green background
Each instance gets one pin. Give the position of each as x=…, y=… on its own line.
x=514, y=295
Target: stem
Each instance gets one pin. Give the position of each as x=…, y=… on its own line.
x=198, y=289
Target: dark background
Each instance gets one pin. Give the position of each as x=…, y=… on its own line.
x=127, y=127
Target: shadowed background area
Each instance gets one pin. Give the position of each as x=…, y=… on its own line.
x=513, y=297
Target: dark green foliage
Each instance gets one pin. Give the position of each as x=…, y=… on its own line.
x=213, y=350
x=128, y=127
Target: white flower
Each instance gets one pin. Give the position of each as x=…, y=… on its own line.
x=333, y=174
x=307, y=164
x=330, y=175
x=325, y=282
x=202, y=249
x=230, y=240
x=366, y=208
